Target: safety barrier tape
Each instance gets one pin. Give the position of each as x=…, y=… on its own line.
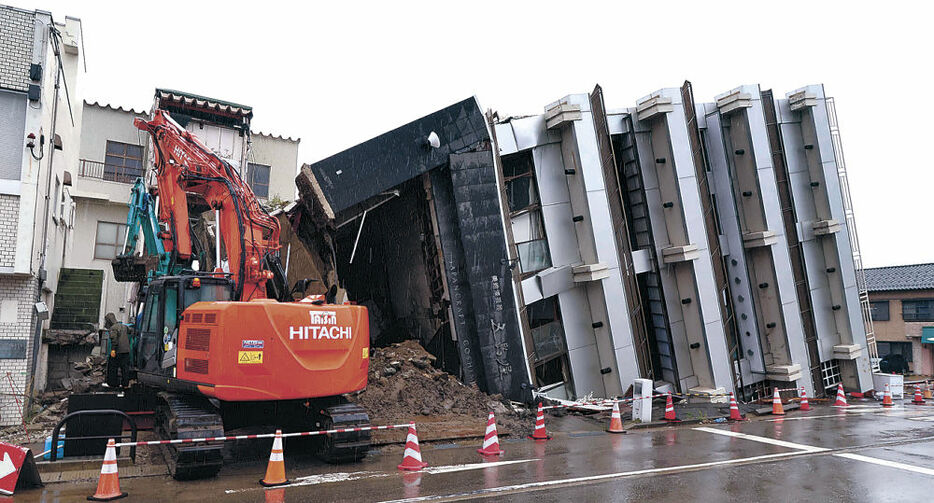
x=261, y=435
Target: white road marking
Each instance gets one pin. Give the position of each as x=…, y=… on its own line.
x=472, y=466
x=765, y=440
x=885, y=462
x=607, y=476
x=923, y=418
x=327, y=478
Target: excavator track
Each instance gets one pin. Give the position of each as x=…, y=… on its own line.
x=347, y=446
x=184, y=416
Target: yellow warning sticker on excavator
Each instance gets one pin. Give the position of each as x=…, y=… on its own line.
x=366, y=353
x=249, y=357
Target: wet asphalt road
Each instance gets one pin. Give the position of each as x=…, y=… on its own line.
x=860, y=454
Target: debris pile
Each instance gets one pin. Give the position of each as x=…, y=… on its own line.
x=50, y=406
x=85, y=376
x=404, y=386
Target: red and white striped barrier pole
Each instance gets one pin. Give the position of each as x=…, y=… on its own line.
x=262, y=435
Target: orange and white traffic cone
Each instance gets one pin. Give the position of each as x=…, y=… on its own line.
x=616, y=422
x=490, y=445
x=412, y=458
x=777, y=408
x=841, y=397
x=108, y=485
x=670, y=415
x=887, y=397
x=918, y=399
x=275, y=470
x=540, y=433
x=734, y=409
x=805, y=406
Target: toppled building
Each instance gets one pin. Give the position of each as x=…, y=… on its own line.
x=710, y=246
x=419, y=239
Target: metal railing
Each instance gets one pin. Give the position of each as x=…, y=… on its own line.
x=109, y=172
x=53, y=455
x=851, y=231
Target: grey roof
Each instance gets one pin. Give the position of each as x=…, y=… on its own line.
x=900, y=277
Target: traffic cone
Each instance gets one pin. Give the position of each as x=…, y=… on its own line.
x=841, y=397
x=805, y=406
x=616, y=423
x=108, y=485
x=540, y=433
x=275, y=470
x=670, y=415
x=490, y=445
x=777, y=409
x=734, y=409
x=918, y=400
x=412, y=458
x=927, y=392
x=887, y=397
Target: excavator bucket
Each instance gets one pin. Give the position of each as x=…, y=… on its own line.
x=129, y=268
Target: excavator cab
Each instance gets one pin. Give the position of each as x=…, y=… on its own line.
x=165, y=302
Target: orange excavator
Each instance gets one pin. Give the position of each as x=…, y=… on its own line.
x=228, y=348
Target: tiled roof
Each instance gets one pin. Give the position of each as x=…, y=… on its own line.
x=108, y=106
x=204, y=101
x=900, y=277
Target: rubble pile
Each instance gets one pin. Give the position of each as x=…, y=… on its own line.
x=404, y=386
x=85, y=376
x=49, y=407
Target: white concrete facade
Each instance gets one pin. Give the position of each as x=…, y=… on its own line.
x=35, y=186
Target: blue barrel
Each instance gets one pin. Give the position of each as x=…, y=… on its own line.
x=48, y=447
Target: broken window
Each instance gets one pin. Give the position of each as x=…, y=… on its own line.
x=525, y=212
x=551, y=364
x=547, y=331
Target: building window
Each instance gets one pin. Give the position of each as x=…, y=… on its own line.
x=525, y=212
x=547, y=332
x=259, y=180
x=879, y=310
x=918, y=310
x=894, y=348
x=551, y=365
x=519, y=175
x=123, y=163
x=109, y=242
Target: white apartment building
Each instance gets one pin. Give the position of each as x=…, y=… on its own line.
x=39, y=139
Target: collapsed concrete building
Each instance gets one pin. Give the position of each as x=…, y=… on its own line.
x=710, y=247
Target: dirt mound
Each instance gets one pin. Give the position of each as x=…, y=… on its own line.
x=404, y=386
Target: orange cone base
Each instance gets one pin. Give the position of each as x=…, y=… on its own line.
x=546, y=437
x=412, y=466
x=107, y=498
x=887, y=404
x=918, y=403
x=673, y=420
x=274, y=484
x=491, y=451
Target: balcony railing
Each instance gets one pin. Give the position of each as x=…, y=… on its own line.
x=109, y=172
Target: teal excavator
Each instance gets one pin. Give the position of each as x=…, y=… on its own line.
x=141, y=218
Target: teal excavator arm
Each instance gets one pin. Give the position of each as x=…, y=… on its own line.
x=141, y=217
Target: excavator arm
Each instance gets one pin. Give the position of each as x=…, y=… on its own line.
x=141, y=218
x=184, y=167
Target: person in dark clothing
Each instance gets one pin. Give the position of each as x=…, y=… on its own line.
x=119, y=352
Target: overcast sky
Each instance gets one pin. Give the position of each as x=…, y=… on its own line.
x=338, y=73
